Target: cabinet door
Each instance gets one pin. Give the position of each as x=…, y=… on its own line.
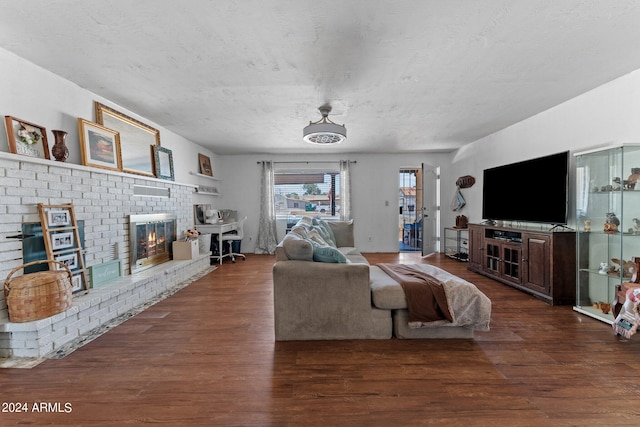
x=492, y=258
x=476, y=247
x=537, y=262
x=511, y=262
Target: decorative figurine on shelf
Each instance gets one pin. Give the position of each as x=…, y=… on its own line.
x=604, y=268
x=191, y=235
x=605, y=307
x=625, y=269
x=635, y=175
x=612, y=223
x=618, y=181
x=636, y=225
x=587, y=225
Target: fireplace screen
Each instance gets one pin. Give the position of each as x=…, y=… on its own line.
x=151, y=238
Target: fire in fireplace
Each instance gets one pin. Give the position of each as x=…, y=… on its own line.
x=150, y=238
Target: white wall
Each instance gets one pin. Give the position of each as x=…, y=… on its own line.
x=374, y=181
x=38, y=96
x=606, y=115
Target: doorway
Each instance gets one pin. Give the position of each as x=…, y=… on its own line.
x=410, y=209
x=419, y=209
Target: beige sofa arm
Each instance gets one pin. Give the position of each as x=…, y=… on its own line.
x=318, y=300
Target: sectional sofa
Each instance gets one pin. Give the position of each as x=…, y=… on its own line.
x=325, y=289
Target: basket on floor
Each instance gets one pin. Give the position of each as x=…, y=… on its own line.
x=38, y=295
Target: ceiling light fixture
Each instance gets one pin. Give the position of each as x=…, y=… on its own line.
x=324, y=131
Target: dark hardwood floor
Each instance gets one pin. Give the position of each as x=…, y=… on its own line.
x=207, y=356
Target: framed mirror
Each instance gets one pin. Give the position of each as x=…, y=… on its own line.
x=136, y=139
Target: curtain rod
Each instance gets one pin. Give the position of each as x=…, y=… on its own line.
x=307, y=162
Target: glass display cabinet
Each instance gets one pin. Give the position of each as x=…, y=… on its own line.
x=608, y=225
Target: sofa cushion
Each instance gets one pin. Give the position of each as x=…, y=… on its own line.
x=297, y=248
x=325, y=231
x=315, y=235
x=348, y=250
x=356, y=258
x=386, y=293
x=327, y=254
x=343, y=232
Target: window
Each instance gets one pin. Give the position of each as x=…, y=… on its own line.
x=306, y=191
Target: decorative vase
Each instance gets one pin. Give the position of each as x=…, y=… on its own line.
x=59, y=149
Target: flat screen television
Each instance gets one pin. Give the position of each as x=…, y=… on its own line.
x=534, y=190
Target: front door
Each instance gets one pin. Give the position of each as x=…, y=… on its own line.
x=410, y=203
x=419, y=209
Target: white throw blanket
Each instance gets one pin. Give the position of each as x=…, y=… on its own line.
x=468, y=306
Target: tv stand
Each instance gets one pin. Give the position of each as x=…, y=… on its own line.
x=541, y=263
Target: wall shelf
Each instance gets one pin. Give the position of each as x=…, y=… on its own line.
x=205, y=176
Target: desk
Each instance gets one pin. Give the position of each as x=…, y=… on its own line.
x=219, y=229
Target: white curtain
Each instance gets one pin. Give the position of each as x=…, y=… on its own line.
x=267, y=238
x=345, y=190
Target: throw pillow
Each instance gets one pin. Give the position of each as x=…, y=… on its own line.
x=327, y=254
x=297, y=249
x=343, y=232
x=326, y=232
x=314, y=235
x=300, y=231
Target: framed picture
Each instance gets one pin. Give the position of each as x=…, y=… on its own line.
x=105, y=272
x=205, y=165
x=58, y=217
x=26, y=138
x=62, y=241
x=135, y=139
x=76, y=283
x=199, y=214
x=100, y=146
x=163, y=165
x=70, y=260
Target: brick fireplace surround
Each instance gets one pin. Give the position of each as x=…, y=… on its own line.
x=103, y=200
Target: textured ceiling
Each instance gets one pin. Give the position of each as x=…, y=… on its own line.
x=246, y=76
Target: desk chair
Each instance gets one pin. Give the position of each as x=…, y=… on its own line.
x=230, y=238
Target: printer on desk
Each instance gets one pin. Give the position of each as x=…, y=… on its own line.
x=212, y=216
x=206, y=214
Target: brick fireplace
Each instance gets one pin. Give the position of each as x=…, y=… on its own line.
x=103, y=200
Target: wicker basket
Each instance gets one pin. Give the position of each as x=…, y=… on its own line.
x=38, y=295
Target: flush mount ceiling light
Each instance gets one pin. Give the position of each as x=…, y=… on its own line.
x=324, y=131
